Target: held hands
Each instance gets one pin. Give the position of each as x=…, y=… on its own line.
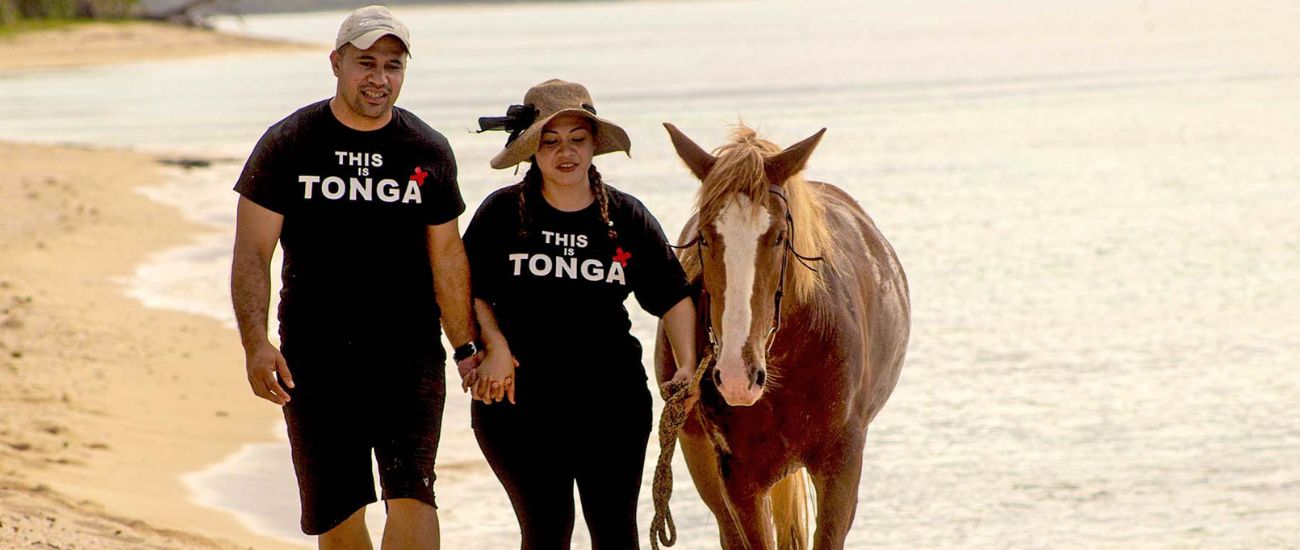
x=263, y=364
x=467, y=368
x=495, y=377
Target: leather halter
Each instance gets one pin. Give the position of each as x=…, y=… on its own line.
x=780, y=289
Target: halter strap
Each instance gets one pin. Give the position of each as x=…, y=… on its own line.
x=697, y=243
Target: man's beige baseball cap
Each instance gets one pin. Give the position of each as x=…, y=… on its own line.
x=367, y=25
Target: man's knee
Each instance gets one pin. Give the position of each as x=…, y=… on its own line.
x=351, y=534
x=411, y=509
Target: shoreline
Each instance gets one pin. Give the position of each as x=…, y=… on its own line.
x=106, y=403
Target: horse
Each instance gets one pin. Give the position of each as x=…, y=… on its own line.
x=797, y=375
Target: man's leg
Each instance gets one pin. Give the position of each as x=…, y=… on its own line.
x=411, y=525
x=349, y=535
x=408, y=426
x=330, y=440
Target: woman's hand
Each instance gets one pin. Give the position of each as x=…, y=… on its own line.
x=683, y=376
x=496, y=377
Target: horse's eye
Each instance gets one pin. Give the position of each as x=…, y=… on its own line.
x=780, y=239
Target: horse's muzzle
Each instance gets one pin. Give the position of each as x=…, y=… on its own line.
x=741, y=392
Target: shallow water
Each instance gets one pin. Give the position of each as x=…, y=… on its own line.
x=1095, y=204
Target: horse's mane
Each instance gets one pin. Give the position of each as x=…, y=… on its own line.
x=740, y=170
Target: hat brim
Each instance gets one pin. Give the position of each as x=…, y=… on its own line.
x=609, y=138
x=367, y=40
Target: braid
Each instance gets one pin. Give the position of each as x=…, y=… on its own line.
x=532, y=180
x=602, y=196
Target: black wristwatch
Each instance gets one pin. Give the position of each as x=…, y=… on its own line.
x=465, y=351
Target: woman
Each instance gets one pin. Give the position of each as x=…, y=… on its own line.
x=552, y=260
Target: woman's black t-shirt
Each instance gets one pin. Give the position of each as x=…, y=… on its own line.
x=558, y=288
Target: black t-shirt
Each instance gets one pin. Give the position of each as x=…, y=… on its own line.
x=357, y=207
x=558, y=291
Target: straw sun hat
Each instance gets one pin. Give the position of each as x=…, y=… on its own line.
x=543, y=103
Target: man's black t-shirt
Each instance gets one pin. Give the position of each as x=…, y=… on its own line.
x=356, y=206
x=558, y=290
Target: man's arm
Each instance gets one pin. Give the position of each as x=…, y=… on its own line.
x=256, y=231
x=451, y=282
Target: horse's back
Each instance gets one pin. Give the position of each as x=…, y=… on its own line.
x=870, y=263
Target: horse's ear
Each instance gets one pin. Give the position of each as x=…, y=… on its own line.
x=783, y=165
x=697, y=159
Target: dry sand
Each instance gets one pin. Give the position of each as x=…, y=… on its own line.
x=103, y=402
x=101, y=43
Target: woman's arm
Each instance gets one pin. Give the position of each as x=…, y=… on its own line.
x=495, y=376
x=679, y=323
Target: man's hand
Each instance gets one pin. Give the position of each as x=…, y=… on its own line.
x=467, y=368
x=264, y=363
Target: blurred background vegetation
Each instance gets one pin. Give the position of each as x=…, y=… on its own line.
x=19, y=12
x=34, y=14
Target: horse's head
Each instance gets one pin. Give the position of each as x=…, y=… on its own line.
x=744, y=224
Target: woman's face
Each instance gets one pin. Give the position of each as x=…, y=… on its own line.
x=565, y=151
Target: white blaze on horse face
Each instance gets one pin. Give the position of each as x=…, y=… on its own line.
x=740, y=225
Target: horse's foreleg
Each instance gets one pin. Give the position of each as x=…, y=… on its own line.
x=702, y=461
x=836, y=475
x=747, y=498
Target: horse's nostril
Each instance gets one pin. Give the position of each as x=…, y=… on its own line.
x=760, y=377
x=717, y=377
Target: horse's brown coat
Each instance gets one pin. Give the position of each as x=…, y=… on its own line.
x=833, y=364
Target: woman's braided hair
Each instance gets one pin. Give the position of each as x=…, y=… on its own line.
x=532, y=182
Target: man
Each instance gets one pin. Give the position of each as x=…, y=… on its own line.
x=362, y=196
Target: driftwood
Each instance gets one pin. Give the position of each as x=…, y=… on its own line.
x=187, y=13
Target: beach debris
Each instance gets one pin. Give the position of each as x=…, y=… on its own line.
x=50, y=428
x=188, y=13
x=186, y=162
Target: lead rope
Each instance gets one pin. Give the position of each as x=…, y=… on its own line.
x=671, y=420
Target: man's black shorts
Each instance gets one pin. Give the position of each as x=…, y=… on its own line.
x=344, y=406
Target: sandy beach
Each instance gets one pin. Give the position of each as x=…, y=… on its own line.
x=120, y=42
x=103, y=402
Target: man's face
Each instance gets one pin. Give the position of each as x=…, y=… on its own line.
x=369, y=80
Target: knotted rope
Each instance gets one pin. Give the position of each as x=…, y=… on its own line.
x=671, y=420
